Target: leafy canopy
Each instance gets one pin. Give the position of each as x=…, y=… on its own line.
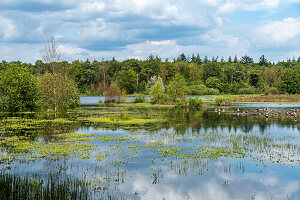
x=18, y=89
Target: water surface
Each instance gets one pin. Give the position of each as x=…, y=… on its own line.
x=186, y=154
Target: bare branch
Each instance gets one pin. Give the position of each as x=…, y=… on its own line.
x=50, y=52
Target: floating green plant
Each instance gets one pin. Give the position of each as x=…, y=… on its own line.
x=118, y=121
x=23, y=147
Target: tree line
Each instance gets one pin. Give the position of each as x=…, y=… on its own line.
x=54, y=83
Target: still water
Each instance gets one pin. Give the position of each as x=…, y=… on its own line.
x=184, y=154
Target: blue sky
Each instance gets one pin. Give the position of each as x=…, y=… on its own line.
x=124, y=29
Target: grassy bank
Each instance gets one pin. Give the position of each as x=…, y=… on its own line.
x=256, y=98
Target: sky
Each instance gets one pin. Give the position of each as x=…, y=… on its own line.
x=103, y=29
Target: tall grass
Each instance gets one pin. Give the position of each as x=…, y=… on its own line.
x=13, y=187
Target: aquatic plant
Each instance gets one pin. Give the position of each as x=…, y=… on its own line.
x=14, y=187
x=120, y=121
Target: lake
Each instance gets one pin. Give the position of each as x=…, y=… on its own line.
x=157, y=152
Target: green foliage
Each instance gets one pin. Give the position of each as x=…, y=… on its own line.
x=195, y=102
x=236, y=86
x=246, y=60
x=211, y=69
x=127, y=79
x=58, y=91
x=152, y=82
x=177, y=87
x=157, y=93
x=248, y=90
x=142, y=87
x=213, y=82
x=139, y=98
x=290, y=81
x=201, y=90
x=219, y=101
x=94, y=78
x=263, y=61
x=254, y=78
x=18, y=89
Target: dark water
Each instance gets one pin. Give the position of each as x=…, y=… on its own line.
x=239, y=157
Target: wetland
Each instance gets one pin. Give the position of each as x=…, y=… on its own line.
x=151, y=152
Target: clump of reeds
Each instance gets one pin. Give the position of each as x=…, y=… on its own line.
x=14, y=187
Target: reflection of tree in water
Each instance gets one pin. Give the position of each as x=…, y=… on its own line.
x=197, y=120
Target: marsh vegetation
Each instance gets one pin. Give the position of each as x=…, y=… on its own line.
x=140, y=152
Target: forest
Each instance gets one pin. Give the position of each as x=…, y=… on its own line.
x=185, y=75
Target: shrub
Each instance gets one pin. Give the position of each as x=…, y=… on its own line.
x=248, y=90
x=180, y=104
x=195, y=102
x=274, y=90
x=201, y=90
x=139, y=98
x=157, y=92
x=271, y=90
x=114, y=94
x=212, y=91
x=218, y=101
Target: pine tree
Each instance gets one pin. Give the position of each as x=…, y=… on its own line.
x=198, y=59
x=263, y=61
x=235, y=59
x=206, y=59
x=246, y=59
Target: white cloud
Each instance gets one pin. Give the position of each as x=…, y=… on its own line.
x=22, y=52
x=70, y=51
x=136, y=28
x=210, y=186
x=92, y=7
x=231, y=6
x=8, y=30
x=276, y=33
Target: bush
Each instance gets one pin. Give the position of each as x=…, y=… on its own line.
x=139, y=98
x=157, y=93
x=195, y=102
x=271, y=90
x=274, y=90
x=18, y=89
x=201, y=90
x=218, y=101
x=248, y=90
x=114, y=94
x=212, y=91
